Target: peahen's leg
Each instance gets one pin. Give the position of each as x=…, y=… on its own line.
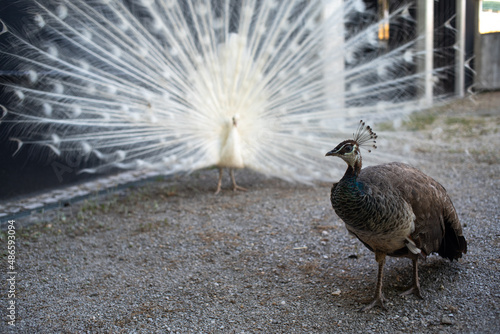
x=415, y=288
x=379, y=296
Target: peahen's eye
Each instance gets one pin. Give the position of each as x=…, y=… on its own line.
x=348, y=148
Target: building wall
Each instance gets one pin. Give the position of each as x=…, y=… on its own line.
x=488, y=61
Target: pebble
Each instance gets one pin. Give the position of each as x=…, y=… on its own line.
x=446, y=320
x=336, y=292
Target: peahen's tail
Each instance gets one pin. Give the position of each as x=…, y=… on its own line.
x=453, y=244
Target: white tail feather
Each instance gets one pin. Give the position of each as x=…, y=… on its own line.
x=159, y=84
x=410, y=244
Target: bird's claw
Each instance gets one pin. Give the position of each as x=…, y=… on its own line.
x=378, y=301
x=413, y=290
x=236, y=188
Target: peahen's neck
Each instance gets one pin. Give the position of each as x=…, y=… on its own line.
x=349, y=199
x=353, y=170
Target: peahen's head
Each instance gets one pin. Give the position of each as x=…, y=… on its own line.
x=349, y=151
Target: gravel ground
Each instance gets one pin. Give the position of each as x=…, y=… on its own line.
x=172, y=257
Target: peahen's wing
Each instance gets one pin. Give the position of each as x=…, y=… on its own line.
x=437, y=227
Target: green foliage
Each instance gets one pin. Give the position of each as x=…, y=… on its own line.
x=420, y=120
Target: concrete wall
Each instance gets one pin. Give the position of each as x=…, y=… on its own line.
x=487, y=61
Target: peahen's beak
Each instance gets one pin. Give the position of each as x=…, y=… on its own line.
x=332, y=152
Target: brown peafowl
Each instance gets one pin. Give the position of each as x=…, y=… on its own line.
x=394, y=209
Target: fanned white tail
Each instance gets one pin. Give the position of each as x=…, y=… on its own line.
x=183, y=85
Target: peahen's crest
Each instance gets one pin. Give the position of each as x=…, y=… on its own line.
x=365, y=137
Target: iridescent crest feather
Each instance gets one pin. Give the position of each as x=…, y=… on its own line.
x=365, y=137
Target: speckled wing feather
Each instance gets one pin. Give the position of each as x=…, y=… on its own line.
x=437, y=228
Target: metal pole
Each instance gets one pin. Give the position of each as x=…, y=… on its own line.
x=426, y=30
x=460, y=49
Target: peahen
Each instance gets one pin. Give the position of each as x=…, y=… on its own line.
x=394, y=209
x=181, y=85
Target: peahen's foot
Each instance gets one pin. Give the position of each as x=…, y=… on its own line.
x=378, y=301
x=415, y=287
x=413, y=290
x=379, y=296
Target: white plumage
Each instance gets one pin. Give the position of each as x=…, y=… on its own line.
x=185, y=85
